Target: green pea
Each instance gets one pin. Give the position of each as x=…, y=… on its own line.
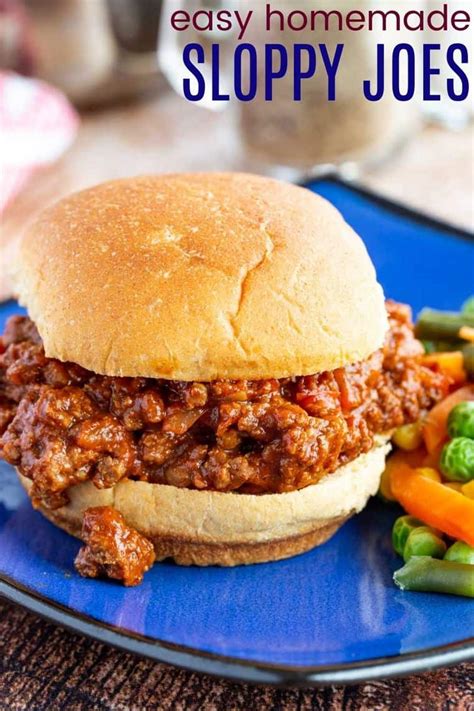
x=457, y=459
x=468, y=306
x=461, y=420
x=460, y=552
x=424, y=541
x=402, y=528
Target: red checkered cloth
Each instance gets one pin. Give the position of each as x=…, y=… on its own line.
x=37, y=124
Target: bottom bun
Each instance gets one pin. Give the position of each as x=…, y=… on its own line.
x=214, y=528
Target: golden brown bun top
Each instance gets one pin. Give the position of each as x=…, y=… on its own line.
x=199, y=277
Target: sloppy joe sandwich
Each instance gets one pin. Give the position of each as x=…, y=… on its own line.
x=208, y=371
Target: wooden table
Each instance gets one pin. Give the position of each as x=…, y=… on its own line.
x=45, y=667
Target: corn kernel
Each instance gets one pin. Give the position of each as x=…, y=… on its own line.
x=384, y=487
x=408, y=437
x=455, y=485
x=429, y=473
x=468, y=489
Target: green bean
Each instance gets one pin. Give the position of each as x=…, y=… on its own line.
x=443, y=346
x=461, y=420
x=402, y=528
x=460, y=552
x=423, y=541
x=441, y=325
x=426, y=574
x=429, y=346
x=457, y=459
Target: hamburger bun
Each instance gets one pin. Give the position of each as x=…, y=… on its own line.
x=200, y=277
x=212, y=528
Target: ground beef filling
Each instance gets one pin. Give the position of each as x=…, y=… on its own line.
x=112, y=548
x=63, y=424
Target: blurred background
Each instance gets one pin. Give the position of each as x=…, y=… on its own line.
x=90, y=90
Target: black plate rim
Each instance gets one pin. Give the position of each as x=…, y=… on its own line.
x=233, y=668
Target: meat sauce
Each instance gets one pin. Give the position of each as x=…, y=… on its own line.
x=112, y=549
x=63, y=424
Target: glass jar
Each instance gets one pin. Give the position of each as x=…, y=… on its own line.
x=292, y=137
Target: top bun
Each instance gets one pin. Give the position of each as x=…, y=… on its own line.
x=199, y=277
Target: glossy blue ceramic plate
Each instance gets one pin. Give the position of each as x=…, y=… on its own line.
x=329, y=616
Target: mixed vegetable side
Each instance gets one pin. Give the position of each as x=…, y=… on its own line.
x=431, y=473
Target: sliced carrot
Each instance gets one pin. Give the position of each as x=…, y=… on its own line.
x=431, y=459
x=434, y=426
x=433, y=503
x=450, y=362
x=429, y=473
x=415, y=458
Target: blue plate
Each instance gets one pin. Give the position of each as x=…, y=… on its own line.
x=331, y=615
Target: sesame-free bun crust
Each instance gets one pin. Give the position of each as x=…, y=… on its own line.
x=212, y=528
x=199, y=277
